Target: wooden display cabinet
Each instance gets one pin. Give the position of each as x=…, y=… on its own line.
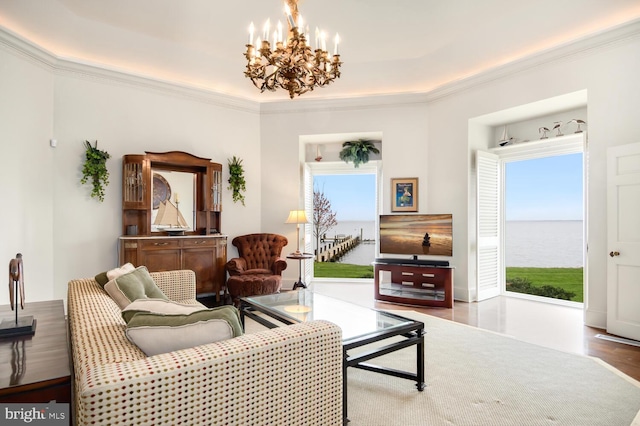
x=201, y=247
x=138, y=196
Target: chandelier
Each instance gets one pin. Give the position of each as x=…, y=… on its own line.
x=291, y=63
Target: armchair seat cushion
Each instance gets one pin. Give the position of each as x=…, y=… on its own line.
x=257, y=272
x=252, y=285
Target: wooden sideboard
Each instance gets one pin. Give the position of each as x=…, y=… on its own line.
x=36, y=369
x=206, y=255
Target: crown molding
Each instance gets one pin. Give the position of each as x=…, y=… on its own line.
x=25, y=49
x=584, y=46
x=587, y=45
x=590, y=44
x=86, y=71
x=344, y=104
x=78, y=69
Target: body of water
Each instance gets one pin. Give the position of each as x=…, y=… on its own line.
x=365, y=228
x=542, y=244
x=364, y=253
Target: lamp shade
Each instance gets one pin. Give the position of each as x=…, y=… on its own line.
x=297, y=216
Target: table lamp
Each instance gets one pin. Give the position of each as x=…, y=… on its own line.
x=297, y=217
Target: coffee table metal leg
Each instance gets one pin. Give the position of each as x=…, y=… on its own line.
x=420, y=358
x=345, y=419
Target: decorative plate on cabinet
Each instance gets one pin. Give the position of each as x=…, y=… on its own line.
x=161, y=190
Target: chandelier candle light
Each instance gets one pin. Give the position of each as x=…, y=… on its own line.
x=290, y=63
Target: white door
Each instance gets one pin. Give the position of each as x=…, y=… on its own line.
x=489, y=189
x=623, y=234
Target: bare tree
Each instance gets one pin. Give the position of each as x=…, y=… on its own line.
x=324, y=218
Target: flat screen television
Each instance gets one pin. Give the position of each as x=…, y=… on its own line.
x=416, y=234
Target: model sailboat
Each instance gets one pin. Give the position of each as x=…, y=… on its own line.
x=169, y=216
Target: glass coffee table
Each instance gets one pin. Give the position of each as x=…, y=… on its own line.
x=360, y=327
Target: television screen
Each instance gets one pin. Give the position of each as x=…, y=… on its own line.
x=416, y=234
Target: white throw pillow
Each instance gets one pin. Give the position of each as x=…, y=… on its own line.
x=160, y=332
x=117, y=272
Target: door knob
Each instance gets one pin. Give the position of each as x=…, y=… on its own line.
x=614, y=253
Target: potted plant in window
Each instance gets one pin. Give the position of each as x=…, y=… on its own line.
x=358, y=151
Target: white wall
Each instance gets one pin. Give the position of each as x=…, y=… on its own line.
x=26, y=175
x=62, y=232
x=132, y=120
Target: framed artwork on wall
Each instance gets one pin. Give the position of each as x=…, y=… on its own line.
x=404, y=195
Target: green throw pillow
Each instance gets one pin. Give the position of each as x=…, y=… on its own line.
x=159, y=306
x=134, y=285
x=104, y=277
x=157, y=333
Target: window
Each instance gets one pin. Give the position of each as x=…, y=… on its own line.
x=492, y=217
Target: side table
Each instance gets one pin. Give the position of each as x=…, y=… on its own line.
x=36, y=368
x=300, y=257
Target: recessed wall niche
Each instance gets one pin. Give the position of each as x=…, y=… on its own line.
x=529, y=129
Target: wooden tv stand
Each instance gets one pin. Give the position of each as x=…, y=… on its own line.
x=414, y=284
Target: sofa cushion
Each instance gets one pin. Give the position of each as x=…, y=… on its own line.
x=133, y=285
x=156, y=333
x=104, y=277
x=159, y=306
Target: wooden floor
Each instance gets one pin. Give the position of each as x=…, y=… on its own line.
x=544, y=324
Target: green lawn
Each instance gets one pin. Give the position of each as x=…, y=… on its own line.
x=341, y=270
x=569, y=279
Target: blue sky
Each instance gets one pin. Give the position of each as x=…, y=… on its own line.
x=541, y=189
x=545, y=188
x=352, y=196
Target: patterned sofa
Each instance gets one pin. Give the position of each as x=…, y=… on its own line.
x=284, y=376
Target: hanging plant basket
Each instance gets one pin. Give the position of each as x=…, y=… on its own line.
x=95, y=170
x=237, y=184
x=358, y=151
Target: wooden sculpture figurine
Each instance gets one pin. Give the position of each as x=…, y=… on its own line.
x=14, y=326
x=16, y=281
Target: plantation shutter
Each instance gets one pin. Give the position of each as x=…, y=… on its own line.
x=489, y=265
x=308, y=228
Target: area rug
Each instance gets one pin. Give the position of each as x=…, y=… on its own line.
x=480, y=378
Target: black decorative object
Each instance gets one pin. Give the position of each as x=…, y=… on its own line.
x=556, y=126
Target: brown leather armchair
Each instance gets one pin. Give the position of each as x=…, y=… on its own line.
x=258, y=267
